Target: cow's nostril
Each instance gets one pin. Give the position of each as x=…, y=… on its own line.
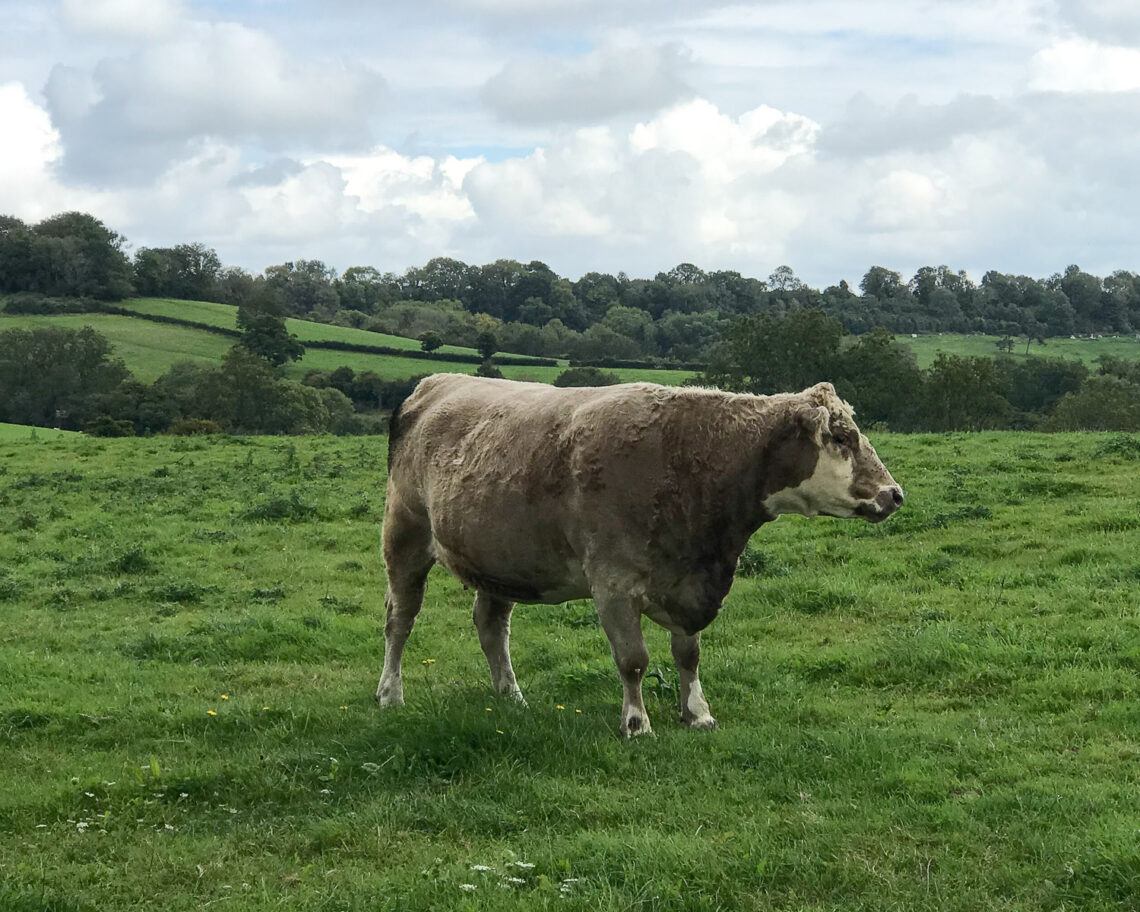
x=897, y=495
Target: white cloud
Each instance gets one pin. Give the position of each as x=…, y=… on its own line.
x=595, y=86
x=1080, y=65
x=1110, y=21
x=128, y=117
x=122, y=18
x=28, y=188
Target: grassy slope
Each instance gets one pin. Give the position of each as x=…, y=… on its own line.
x=1086, y=350
x=150, y=348
x=10, y=432
x=225, y=315
x=936, y=713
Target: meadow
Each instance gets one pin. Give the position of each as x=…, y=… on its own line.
x=940, y=712
x=1087, y=351
x=150, y=349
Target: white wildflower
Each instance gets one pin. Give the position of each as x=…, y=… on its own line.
x=82, y=826
x=521, y=865
x=468, y=888
x=480, y=868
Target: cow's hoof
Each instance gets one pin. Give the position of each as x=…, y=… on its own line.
x=700, y=723
x=388, y=699
x=516, y=696
x=635, y=726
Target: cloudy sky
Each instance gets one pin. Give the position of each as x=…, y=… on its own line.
x=591, y=134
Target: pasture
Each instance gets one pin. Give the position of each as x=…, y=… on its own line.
x=150, y=349
x=1088, y=351
x=939, y=712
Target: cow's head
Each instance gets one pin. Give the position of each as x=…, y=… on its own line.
x=829, y=468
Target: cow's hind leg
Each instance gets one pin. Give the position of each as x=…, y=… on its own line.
x=694, y=707
x=408, y=558
x=492, y=616
x=622, y=624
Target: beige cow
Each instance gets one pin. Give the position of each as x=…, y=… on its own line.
x=639, y=496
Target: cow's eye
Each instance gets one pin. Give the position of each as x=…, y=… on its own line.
x=841, y=438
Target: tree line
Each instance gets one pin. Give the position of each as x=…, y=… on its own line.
x=677, y=316
x=770, y=353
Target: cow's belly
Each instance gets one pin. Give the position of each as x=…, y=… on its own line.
x=515, y=570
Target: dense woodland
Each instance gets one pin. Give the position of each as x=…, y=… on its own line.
x=678, y=316
x=749, y=335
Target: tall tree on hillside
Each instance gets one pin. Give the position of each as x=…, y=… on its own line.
x=263, y=331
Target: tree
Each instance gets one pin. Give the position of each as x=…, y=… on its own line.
x=70, y=255
x=263, y=333
x=770, y=354
x=48, y=375
x=1005, y=344
x=1104, y=403
x=187, y=271
x=880, y=378
x=487, y=344
x=586, y=376
x=962, y=393
x=304, y=287
x=783, y=278
x=430, y=341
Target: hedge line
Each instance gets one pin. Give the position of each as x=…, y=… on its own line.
x=41, y=305
x=639, y=365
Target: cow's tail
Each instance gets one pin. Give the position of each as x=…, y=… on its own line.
x=395, y=430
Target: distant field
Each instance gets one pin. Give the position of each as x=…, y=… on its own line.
x=11, y=432
x=149, y=349
x=940, y=713
x=225, y=315
x=1086, y=350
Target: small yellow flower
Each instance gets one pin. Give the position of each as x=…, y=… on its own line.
x=211, y=712
x=500, y=731
x=429, y=661
x=225, y=696
x=265, y=709
x=559, y=706
x=487, y=709
x=578, y=711
x=344, y=707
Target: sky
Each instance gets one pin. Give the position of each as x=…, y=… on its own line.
x=607, y=135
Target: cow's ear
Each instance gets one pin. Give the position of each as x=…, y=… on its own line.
x=816, y=420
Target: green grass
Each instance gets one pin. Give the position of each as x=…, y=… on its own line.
x=10, y=432
x=937, y=713
x=1086, y=350
x=225, y=315
x=149, y=349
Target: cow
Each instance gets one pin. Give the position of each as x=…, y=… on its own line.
x=637, y=495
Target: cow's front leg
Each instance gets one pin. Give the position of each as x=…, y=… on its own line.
x=622, y=624
x=694, y=707
x=492, y=617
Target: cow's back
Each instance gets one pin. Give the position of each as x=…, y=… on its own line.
x=523, y=476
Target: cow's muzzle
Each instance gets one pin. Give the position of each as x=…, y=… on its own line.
x=885, y=503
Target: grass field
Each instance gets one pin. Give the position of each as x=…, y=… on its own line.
x=937, y=713
x=225, y=315
x=149, y=349
x=10, y=432
x=1086, y=350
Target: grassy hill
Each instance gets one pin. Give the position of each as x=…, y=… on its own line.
x=150, y=348
x=1086, y=350
x=225, y=316
x=938, y=713
x=24, y=432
